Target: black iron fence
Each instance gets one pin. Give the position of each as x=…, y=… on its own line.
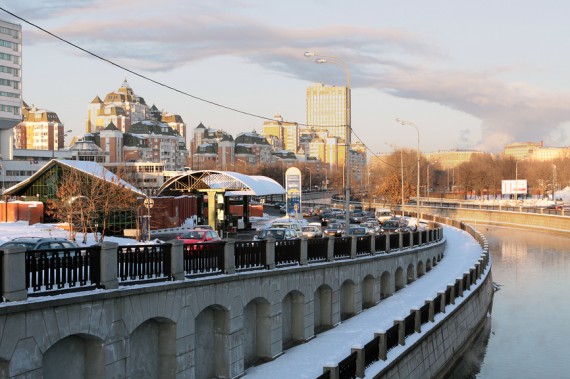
x=287, y=252
x=342, y=247
x=250, y=254
x=143, y=262
x=317, y=249
x=80, y=268
x=204, y=258
x=62, y=269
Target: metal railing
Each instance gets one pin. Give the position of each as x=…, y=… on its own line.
x=62, y=269
x=250, y=254
x=143, y=262
x=204, y=258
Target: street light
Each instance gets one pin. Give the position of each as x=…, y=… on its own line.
x=407, y=123
x=339, y=62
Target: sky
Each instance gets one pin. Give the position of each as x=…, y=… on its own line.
x=470, y=75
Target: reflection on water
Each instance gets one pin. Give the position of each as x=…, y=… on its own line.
x=528, y=335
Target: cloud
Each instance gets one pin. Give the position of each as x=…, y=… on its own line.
x=174, y=34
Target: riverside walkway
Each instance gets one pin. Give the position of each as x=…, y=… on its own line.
x=307, y=360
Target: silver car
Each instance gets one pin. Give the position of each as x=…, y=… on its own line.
x=312, y=231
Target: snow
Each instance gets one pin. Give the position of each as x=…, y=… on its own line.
x=307, y=360
x=10, y=230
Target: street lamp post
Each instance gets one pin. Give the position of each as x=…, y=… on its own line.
x=339, y=62
x=404, y=122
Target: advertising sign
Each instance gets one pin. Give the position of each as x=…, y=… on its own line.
x=514, y=187
x=293, y=188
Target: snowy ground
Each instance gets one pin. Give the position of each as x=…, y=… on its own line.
x=10, y=230
x=307, y=360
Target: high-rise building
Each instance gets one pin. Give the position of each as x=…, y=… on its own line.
x=10, y=84
x=328, y=109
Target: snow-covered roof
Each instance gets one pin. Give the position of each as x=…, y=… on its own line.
x=89, y=168
x=235, y=183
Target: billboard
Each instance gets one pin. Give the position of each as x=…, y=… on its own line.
x=293, y=188
x=514, y=187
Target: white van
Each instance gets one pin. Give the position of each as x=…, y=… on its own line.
x=383, y=214
x=288, y=225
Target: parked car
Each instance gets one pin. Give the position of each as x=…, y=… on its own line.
x=334, y=230
x=356, y=231
x=199, y=236
x=276, y=233
x=40, y=243
x=312, y=231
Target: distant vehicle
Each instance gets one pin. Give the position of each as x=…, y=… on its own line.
x=394, y=226
x=371, y=227
x=356, y=217
x=312, y=231
x=40, y=243
x=334, y=230
x=383, y=214
x=357, y=231
x=278, y=205
x=288, y=225
x=276, y=233
x=308, y=212
x=199, y=236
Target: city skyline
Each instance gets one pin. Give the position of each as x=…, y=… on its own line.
x=471, y=76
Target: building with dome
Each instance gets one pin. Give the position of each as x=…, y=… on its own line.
x=121, y=107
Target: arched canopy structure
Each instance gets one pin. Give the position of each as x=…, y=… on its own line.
x=231, y=183
x=218, y=186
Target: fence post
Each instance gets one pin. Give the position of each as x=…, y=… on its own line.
x=383, y=342
x=304, y=260
x=401, y=331
x=332, y=368
x=352, y=247
x=270, y=254
x=372, y=244
x=387, y=241
x=431, y=309
x=330, y=250
x=441, y=295
x=460, y=282
x=417, y=319
x=229, y=257
x=359, y=360
x=14, y=274
x=177, y=259
x=108, y=261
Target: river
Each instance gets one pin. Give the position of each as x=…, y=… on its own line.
x=528, y=335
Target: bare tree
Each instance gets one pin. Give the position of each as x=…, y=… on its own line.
x=86, y=201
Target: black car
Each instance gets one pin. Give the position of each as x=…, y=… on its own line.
x=40, y=243
x=394, y=226
x=334, y=230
